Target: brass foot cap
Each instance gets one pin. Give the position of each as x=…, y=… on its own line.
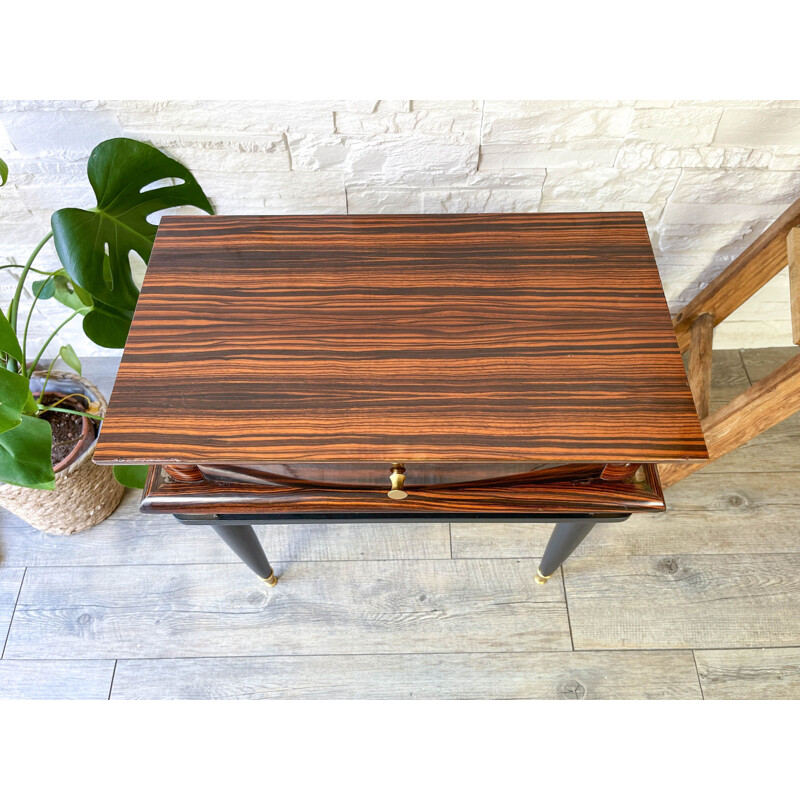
x=541, y=579
x=272, y=580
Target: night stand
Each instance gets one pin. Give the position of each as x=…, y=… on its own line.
x=417, y=367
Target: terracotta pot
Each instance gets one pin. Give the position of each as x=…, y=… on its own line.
x=85, y=493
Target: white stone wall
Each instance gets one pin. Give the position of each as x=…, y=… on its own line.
x=709, y=176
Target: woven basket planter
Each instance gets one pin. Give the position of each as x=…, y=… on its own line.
x=85, y=493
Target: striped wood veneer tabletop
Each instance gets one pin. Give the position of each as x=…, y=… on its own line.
x=464, y=337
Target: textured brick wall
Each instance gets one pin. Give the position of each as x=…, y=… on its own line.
x=708, y=176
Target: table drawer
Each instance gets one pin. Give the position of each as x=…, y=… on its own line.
x=488, y=490
x=377, y=475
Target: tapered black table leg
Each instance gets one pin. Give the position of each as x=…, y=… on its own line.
x=566, y=536
x=243, y=541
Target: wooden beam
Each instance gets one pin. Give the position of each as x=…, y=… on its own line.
x=763, y=405
x=793, y=251
x=760, y=262
x=702, y=335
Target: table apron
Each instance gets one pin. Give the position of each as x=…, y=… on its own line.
x=297, y=519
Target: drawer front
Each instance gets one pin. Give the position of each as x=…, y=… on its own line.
x=367, y=491
x=377, y=475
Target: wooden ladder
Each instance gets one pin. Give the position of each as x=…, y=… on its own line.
x=773, y=398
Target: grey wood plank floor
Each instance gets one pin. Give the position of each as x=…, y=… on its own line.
x=547, y=676
x=733, y=674
x=703, y=601
x=55, y=680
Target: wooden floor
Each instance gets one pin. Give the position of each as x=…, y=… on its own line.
x=702, y=602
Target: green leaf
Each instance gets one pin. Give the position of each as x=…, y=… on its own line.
x=70, y=358
x=31, y=406
x=107, y=326
x=131, y=475
x=3, y=172
x=14, y=393
x=25, y=454
x=94, y=245
x=44, y=289
x=70, y=295
x=8, y=339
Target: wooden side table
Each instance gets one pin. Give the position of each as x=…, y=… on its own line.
x=415, y=367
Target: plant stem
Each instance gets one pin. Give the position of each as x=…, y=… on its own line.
x=68, y=397
x=32, y=269
x=52, y=336
x=12, y=311
x=47, y=377
x=57, y=406
x=27, y=325
x=70, y=411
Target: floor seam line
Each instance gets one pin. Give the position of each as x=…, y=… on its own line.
x=697, y=670
x=566, y=605
x=113, y=673
x=598, y=651
x=276, y=561
x=13, y=613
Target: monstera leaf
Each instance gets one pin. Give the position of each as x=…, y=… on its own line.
x=103, y=324
x=8, y=339
x=70, y=358
x=106, y=325
x=14, y=394
x=94, y=245
x=131, y=475
x=67, y=293
x=25, y=454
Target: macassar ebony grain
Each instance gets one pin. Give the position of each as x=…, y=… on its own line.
x=462, y=338
x=566, y=497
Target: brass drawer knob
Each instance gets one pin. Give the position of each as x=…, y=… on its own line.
x=398, y=478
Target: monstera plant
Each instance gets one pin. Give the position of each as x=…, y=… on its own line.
x=131, y=182
x=94, y=245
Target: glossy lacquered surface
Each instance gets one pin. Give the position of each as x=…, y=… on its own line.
x=639, y=493
x=461, y=338
x=375, y=475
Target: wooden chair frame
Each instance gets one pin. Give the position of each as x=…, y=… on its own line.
x=773, y=398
